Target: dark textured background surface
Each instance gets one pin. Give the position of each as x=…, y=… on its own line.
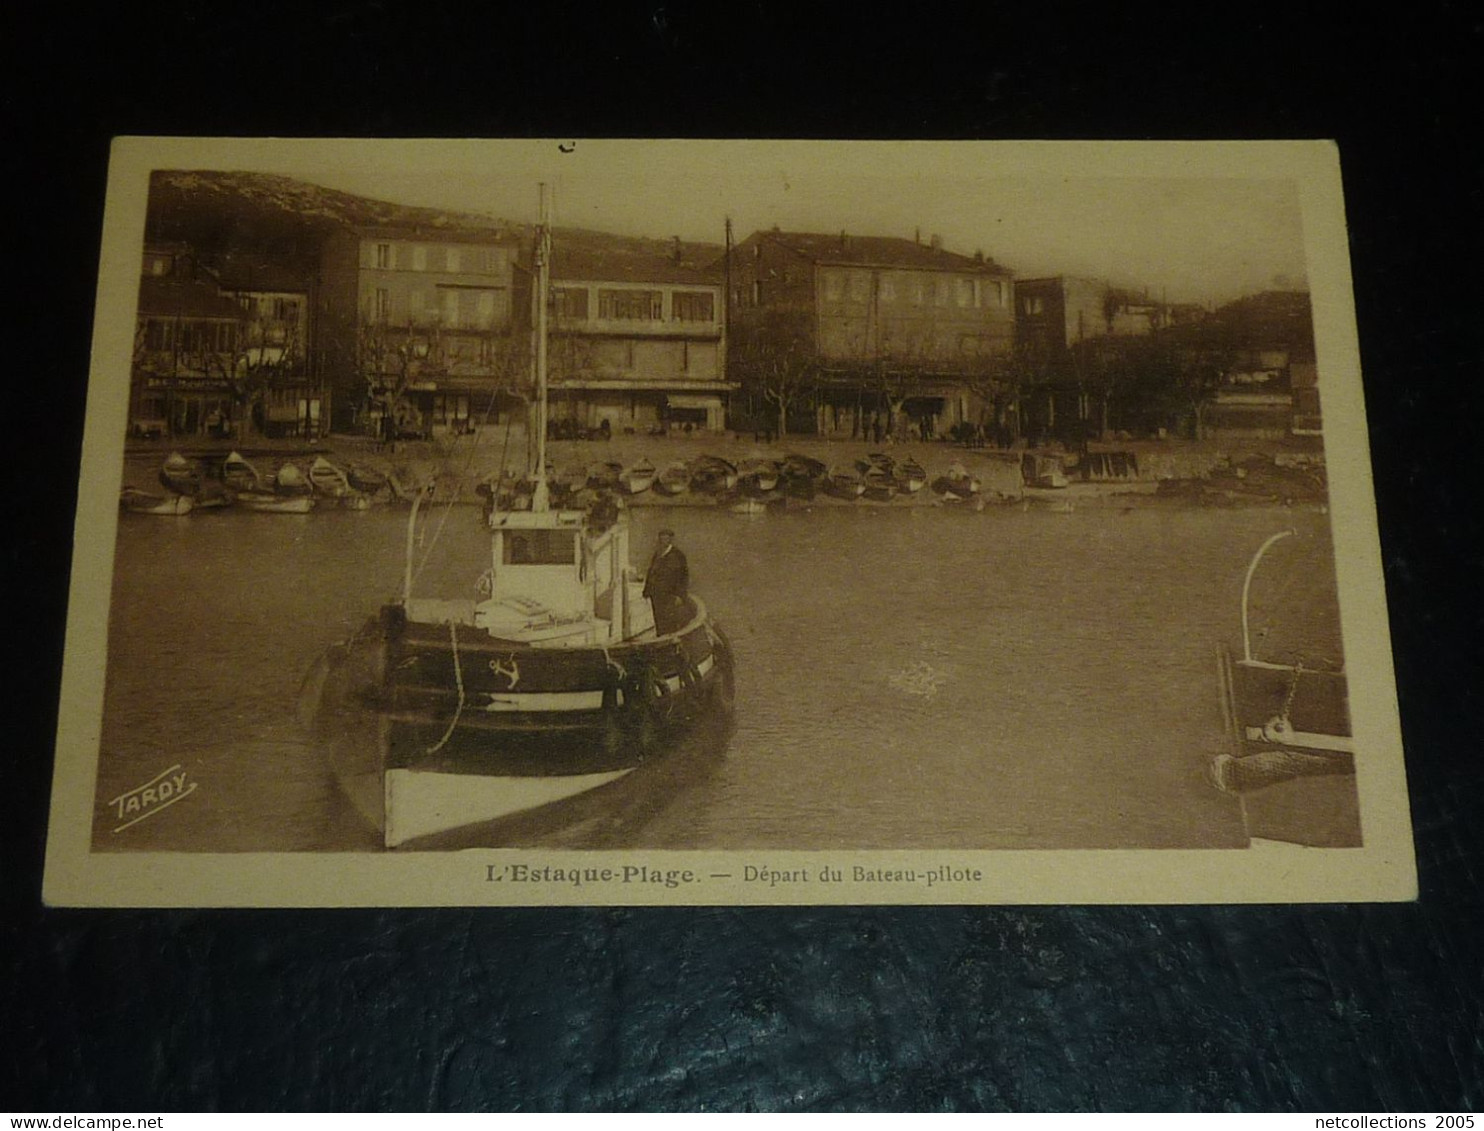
x=955, y=1008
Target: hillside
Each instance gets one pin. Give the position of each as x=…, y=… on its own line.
x=219, y=212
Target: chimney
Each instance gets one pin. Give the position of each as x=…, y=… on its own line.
x=917, y=235
x=978, y=255
x=676, y=250
x=844, y=240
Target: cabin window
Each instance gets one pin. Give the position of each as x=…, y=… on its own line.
x=538, y=547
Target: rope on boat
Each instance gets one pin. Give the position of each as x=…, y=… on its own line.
x=458, y=486
x=458, y=675
x=614, y=664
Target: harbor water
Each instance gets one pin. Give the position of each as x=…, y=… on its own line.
x=906, y=677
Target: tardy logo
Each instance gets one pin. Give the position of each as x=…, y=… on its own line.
x=154, y=795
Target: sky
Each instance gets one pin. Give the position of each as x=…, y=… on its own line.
x=1192, y=222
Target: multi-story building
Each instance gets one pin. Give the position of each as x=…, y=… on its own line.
x=894, y=328
x=1269, y=386
x=277, y=345
x=1056, y=319
x=637, y=341
x=422, y=327
x=186, y=348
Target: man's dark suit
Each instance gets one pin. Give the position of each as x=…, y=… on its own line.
x=666, y=586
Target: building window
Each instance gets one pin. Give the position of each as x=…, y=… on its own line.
x=888, y=290
x=757, y=292
x=919, y=292
x=860, y=287
x=834, y=286
x=966, y=295
x=455, y=260
x=692, y=306
x=631, y=306
x=999, y=293
x=1034, y=305
x=384, y=256
x=419, y=257
x=569, y=302
x=450, y=306
x=383, y=303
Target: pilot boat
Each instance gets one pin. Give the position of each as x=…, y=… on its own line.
x=547, y=682
x=1291, y=755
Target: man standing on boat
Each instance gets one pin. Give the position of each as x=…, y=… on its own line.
x=667, y=583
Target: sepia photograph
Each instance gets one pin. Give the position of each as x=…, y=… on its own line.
x=606, y=522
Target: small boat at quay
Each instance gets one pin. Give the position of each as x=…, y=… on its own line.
x=240, y=475
x=844, y=483
x=1043, y=469
x=327, y=479
x=1291, y=757
x=956, y=484
x=136, y=501
x=268, y=502
x=674, y=479
x=909, y=476
x=289, y=480
x=181, y=475
x=878, y=477
x=368, y=480
x=757, y=477
x=802, y=476
x=603, y=476
x=546, y=683
x=637, y=477
x=712, y=475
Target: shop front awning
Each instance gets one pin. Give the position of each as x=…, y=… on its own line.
x=682, y=400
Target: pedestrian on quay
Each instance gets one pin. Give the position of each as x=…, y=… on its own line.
x=667, y=584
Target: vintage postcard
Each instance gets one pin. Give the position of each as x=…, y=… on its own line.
x=636, y=522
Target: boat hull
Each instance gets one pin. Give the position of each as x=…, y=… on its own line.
x=1291, y=761
x=433, y=728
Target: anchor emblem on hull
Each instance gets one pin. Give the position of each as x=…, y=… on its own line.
x=510, y=670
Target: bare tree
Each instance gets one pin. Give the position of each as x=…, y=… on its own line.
x=774, y=360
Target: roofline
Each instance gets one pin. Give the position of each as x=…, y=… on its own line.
x=435, y=235
x=987, y=266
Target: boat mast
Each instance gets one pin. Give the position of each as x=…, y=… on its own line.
x=539, y=500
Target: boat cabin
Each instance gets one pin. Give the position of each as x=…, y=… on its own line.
x=556, y=579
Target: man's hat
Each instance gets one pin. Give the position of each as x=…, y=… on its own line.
x=671, y=533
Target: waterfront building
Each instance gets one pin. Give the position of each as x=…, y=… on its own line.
x=185, y=348
x=422, y=327
x=1065, y=332
x=638, y=338
x=1270, y=381
x=277, y=352
x=888, y=329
